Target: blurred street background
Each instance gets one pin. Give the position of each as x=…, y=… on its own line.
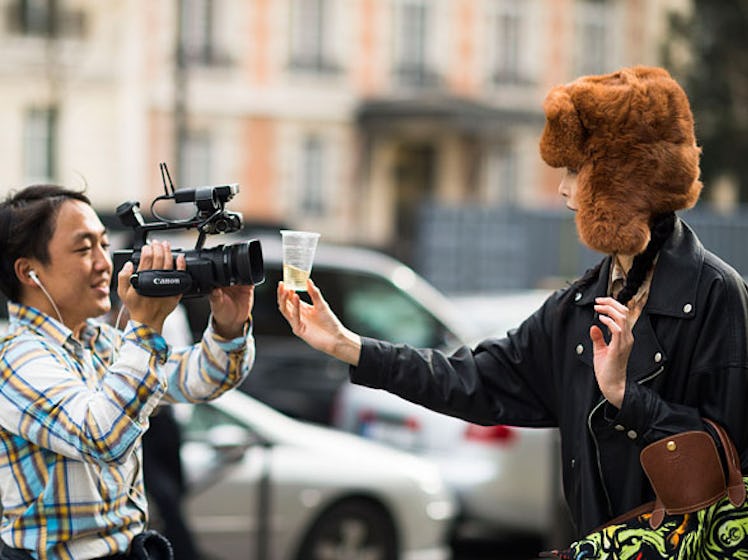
x=405, y=125
x=409, y=127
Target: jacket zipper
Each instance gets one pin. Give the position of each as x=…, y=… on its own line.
x=597, y=447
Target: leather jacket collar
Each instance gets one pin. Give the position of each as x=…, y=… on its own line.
x=675, y=281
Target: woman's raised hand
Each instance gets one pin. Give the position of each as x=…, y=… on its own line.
x=317, y=325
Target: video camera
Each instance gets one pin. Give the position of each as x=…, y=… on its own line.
x=223, y=265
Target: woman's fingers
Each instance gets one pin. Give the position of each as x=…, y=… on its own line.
x=289, y=304
x=315, y=295
x=283, y=303
x=610, y=323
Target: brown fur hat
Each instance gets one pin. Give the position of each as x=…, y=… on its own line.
x=630, y=137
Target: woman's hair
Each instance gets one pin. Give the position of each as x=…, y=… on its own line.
x=660, y=230
x=27, y=223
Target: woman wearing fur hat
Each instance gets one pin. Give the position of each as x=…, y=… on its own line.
x=644, y=346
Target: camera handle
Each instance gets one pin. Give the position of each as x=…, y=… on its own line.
x=161, y=283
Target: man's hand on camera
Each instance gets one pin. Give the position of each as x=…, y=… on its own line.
x=231, y=308
x=151, y=311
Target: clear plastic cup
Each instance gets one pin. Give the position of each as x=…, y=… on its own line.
x=298, y=255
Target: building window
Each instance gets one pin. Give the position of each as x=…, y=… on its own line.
x=194, y=160
x=40, y=145
x=310, y=36
x=198, y=36
x=508, y=43
x=413, y=35
x=592, y=33
x=312, y=176
x=37, y=17
x=44, y=19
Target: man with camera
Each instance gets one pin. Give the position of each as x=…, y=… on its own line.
x=75, y=395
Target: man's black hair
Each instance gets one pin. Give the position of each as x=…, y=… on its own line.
x=27, y=223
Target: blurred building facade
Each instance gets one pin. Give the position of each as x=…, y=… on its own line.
x=341, y=116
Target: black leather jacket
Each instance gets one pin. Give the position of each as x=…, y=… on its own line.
x=689, y=359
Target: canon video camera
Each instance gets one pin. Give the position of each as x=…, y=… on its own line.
x=223, y=265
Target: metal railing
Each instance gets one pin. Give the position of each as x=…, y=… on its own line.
x=485, y=249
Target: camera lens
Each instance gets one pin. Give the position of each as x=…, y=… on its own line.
x=245, y=263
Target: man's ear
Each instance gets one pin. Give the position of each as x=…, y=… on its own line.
x=22, y=267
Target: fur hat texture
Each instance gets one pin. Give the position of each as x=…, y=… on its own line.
x=630, y=137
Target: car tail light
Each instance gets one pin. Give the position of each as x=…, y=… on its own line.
x=367, y=416
x=500, y=434
x=399, y=431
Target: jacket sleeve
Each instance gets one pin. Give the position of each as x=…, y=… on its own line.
x=717, y=374
x=500, y=381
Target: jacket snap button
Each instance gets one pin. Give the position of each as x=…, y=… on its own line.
x=671, y=446
x=632, y=434
x=619, y=428
x=658, y=357
x=687, y=308
x=580, y=348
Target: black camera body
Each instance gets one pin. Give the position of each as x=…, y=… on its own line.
x=223, y=265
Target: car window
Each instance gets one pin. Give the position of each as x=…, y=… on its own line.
x=376, y=308
x=366, y=303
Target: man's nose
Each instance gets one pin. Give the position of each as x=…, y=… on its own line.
x=103, y=260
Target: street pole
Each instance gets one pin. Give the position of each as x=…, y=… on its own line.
x=180, y=90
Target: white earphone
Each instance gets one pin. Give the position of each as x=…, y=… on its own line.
x=35, y=280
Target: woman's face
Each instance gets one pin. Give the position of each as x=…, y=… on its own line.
x=568, y=189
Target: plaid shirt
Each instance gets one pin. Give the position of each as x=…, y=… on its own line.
x=72, y=413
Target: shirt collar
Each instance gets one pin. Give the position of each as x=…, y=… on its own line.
x=618, y=274
x=38, y=322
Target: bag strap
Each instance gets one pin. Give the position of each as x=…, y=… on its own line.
x=735, y=484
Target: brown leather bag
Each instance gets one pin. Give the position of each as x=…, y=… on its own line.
x=686, y=472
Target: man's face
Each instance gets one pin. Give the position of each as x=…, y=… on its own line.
x=79, y=270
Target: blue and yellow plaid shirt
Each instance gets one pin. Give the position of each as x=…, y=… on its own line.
x=72, y=413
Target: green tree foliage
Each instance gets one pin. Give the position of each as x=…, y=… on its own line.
x=708, y=52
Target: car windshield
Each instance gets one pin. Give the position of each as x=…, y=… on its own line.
x=394, y=316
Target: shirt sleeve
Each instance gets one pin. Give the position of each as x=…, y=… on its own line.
x=57, y=401
x=209, y=368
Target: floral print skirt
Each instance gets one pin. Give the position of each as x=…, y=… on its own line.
x=717, y=532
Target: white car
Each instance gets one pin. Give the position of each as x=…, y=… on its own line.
x=507, y=479
x=266, y=486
